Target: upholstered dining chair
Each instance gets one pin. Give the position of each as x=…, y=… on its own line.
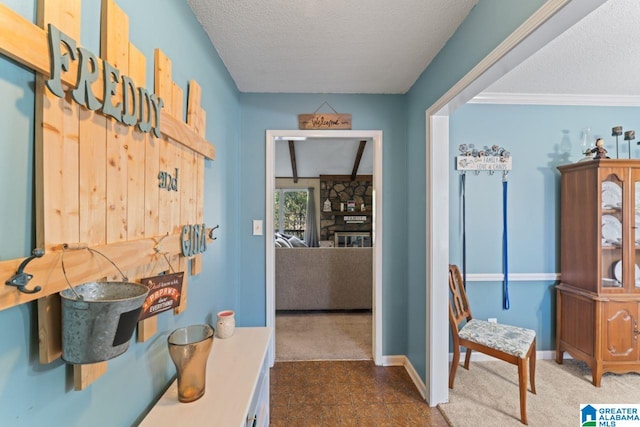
x=509, y=343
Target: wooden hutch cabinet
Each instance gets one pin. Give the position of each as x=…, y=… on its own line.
x=598, y=299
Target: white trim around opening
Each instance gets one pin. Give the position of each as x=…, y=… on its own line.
x=550, y=20
x=377, y=232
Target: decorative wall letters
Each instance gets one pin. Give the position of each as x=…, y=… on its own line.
x=137, y=105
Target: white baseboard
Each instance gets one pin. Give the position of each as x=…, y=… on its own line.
x=476, y=356
x=393, y=360
x=415, y=377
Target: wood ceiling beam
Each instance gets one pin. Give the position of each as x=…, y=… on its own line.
x=356, y=163
x=292, y=154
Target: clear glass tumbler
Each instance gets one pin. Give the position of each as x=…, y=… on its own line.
x=189, y=349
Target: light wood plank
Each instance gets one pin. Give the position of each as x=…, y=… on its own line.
x=163, y=87
x=85, y=375
x=23, y=41
x=57, y=187
x=82, y=267
x=179, y=131
x=164, y=198
x=138, y=188
x=151, y=193
x=187, y=201
x=176, y=101
x=183, y=265
x=93, y=177
x=136, y=149
x=117, y=167
x=173, y=207
x=196, y=118
x=114, y=37
x=115, y=49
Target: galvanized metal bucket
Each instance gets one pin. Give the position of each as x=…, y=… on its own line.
x=98, y=319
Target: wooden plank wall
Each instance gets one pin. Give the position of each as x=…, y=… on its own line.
x=97, y=180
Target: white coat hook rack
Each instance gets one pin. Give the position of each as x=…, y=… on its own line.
x=487, y=159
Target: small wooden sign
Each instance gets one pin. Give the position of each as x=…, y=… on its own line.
x=164, y=293
x=485, y=163
x=324, y=121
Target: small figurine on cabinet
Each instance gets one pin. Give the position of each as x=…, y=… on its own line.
x=599, y=152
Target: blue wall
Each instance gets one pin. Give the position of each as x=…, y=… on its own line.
x=33, y=394
x=488, y=24
x=234, y=276
x=539, y=138
x=280, y=111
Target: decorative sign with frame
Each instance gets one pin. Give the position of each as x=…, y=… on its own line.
x=324, y=121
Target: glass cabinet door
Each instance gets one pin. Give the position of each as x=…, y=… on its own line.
x=612, y=255
x=635, y=224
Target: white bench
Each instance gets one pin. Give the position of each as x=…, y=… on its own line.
x=237, y=388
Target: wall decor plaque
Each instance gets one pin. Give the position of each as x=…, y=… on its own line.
x=324, y=121
x=164, y=293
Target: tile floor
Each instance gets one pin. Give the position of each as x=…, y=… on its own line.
x=352, y=393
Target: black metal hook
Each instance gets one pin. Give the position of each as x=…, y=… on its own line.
x=21, y=279
x=211, y=232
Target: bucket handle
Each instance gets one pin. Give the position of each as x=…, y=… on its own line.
x=66, y=247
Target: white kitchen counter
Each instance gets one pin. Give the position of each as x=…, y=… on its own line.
x=237, y=388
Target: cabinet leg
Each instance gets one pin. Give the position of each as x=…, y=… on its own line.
x=596, y=374
x=559, y=356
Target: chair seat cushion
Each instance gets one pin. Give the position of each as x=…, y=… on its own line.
x=506, y=338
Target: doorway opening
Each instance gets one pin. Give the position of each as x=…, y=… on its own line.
x=544, y=25
x=372, y=208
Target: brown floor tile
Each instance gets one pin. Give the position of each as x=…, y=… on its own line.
x=358, y=393
x=349, y=422
x=371, y=411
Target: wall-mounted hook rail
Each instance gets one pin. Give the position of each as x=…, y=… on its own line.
x=211, y=232
x=21, y=279
x=488, y=159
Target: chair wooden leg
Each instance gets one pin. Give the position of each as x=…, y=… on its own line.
x=454, y=365
x=532, y=367
x=522, y=384
x=467, y=359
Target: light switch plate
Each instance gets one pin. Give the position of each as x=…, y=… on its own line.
x=257, y=227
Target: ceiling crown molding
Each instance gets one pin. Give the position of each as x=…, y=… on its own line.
x=556, y=99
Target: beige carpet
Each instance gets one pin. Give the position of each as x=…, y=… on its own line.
x=487, y=394
x=323, y=336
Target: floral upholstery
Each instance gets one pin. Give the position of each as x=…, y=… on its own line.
x=506, y=338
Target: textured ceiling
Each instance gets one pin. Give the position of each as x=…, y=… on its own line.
x=328, y=46
x=600, y=55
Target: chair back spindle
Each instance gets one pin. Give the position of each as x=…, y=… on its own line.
x=458, y=304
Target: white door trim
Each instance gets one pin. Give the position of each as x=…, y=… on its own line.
x=550, y=20
x=377, y=232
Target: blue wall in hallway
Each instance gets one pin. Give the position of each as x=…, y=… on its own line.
x=539, y=139
x=234, y=276
x=488, y=24
x=369, y=112
x=34, y=394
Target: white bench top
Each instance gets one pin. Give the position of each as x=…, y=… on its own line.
x=233, y=371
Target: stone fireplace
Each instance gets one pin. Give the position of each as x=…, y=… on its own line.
x=340, y=189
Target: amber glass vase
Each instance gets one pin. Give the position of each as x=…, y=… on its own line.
x=189, y=349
